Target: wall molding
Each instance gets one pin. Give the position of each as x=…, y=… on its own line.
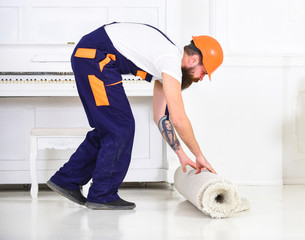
x=221, y=28
x=41, y=22
x=241, y=60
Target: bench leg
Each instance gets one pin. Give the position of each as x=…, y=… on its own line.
x=33, y=159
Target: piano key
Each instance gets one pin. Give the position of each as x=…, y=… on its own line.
x=61, y=84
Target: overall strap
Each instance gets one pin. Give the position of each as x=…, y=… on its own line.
x=160, y=32
x=167, y=113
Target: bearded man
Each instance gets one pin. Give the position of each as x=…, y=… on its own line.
x=98, y=61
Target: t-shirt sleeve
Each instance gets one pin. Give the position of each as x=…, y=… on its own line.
x=170, y=65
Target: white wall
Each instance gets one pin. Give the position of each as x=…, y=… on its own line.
x=238, y=117
x=37, y=35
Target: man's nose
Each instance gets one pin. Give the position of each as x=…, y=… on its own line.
x=202, y=76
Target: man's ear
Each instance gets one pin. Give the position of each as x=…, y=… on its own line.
x=194, y=60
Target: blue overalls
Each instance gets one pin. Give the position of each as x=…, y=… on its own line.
x=105, y=153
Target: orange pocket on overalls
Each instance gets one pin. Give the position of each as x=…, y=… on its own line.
x=96, y=84
x=99, y=91
x=141, y=74
x=106, y=60
x=109, y=57
x=85, y=53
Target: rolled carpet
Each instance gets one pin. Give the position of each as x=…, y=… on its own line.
x=210, y=193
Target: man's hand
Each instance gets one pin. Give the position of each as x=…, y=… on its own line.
x=185, y=160
x=202, y=164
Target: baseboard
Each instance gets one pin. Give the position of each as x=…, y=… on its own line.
x=258, y=183
x=296, y=181
x=146, y=175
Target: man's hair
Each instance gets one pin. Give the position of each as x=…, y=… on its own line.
x=191, y=50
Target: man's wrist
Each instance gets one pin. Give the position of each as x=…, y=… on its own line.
x=198, y=154
x=179, y=152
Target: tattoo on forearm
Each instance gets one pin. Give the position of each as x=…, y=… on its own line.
x=168, y=132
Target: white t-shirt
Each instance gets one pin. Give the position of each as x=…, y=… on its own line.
x=147, y=48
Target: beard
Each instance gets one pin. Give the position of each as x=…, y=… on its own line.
x=187, y=77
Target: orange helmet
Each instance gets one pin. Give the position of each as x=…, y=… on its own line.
x=212, y=54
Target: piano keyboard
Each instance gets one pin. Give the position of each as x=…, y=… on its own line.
x=60, y=84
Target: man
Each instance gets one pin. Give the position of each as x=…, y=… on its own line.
x=98, y=61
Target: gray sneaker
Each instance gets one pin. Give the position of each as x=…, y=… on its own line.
x=73, y=195
x=119, y=204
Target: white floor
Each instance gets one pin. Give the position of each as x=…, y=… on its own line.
x=276, y=213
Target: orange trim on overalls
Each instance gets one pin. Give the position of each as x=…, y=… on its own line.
x=113, y=84
x=141, y=74
x=107, y=59
x=99, y=91
x=85, y=53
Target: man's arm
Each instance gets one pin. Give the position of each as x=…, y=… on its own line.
x=168, y=132
x=165, y=125
x=173, y=98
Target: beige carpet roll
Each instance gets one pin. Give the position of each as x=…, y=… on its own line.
x=210, y=193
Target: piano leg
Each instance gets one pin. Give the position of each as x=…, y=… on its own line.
x=33, y=158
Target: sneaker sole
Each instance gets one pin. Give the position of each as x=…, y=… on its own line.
x=100, y=206
x=63, y=192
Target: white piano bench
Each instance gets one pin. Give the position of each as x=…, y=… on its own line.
x=52, y=138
